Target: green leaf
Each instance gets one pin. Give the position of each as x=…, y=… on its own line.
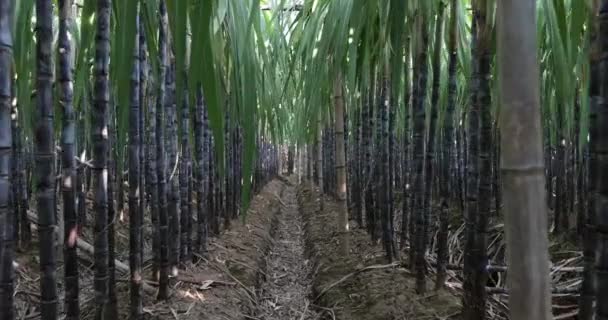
x=123, y=40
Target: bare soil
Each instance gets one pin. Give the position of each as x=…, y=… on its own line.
x=222, y=286
x=284, y=263
x=284, y=293
x=371, y=289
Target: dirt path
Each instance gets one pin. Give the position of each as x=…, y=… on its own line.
x=285, y=290
x=268, y=268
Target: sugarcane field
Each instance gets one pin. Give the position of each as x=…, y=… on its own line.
x=303, y=159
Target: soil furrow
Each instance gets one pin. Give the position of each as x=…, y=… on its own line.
x=361, y=285
x=283, y=294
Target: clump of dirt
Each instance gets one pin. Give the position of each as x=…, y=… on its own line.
x=361, y=285
x=220, y=286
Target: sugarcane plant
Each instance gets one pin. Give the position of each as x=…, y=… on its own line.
x=161, y=165
x=68, y=155
x=99, y=167
x=597, y=166
x=44, y=146
x=6, y=218
x=135, y=194
x=395, y=108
